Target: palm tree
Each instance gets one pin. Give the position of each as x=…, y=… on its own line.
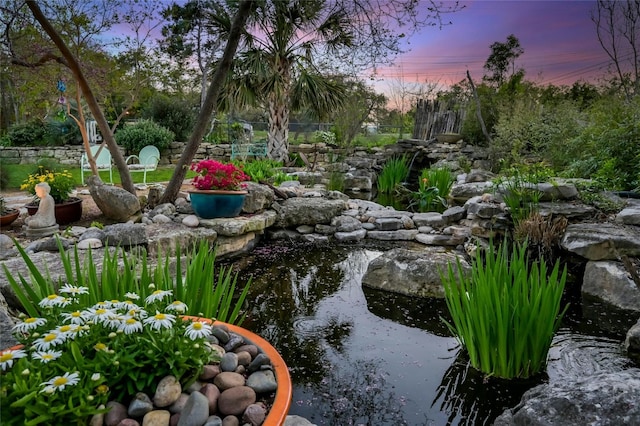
x=277, y=70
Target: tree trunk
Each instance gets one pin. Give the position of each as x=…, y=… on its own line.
x=278, y=144
x=92, y=102
x=206, y=111
x=478, y=110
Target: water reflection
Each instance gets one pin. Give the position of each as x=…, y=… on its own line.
x=364, y=356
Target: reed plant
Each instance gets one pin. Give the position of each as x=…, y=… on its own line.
x=434, y=186
x=393, y=173
x=506, y=313
x=206, y=291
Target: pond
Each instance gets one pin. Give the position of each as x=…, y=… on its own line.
x=364, y=357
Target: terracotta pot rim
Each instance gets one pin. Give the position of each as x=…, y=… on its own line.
x=280, y=408
x=218, y=191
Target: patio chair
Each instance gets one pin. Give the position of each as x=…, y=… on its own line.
x=103, y=162
x=146, y=161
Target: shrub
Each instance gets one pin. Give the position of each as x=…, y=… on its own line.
x=506, y=313
x=176, y=115
x=259, y=170
x=393, y=173
x=31, y=133
x=134, y=137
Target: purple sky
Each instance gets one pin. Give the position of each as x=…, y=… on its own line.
x=558, y=37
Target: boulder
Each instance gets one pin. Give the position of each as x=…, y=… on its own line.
x=629, y=215
x=6, y=324
x=125, y=234
x=411, y=272
x=259, y=198
x=601, y=241
x=572, y=211
x=601, y=399
x=358, y=183
x=307, y=211
x=460, y=193
x=610, y=282
x=114, y=202
x=236, y=226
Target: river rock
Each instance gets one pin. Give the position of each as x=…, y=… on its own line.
x=229, y=361
x=235, y=400
x=140, y=405
x=117, y=412
x=228, y=379
x=212, y=393
x=114, y=202
x=196, y=411
x=262, y=381
x=307, y=211
x=601, y=241
x=214, y=421
x=297, y=421
x=156, y=418
x=412, y=272
x=255, y=414
x=601, y=399
x=167, y=392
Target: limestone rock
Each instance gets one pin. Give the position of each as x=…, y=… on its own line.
x=601, y=399
x=259, y=198
x=125, y=234
x=609, y=281
x=462, y=192
x=632, y=342
x=307, y=211
x=601, y=241
x=410, y=272
x=114, y=202
x=629, y=215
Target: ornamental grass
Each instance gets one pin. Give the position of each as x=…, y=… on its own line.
x=393, y=173
x=506, y=313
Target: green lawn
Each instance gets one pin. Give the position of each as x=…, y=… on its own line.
x=17, y=173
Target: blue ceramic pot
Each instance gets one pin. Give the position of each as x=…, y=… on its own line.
x=209, y=204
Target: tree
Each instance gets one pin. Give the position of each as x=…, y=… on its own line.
x=222, y=70
x=618, y=28
x=502, y=60
x=290, y=43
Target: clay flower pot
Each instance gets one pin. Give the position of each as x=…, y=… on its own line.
x=8, y=218
x=66, y=212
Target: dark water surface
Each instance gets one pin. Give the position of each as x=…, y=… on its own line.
x=364, y=357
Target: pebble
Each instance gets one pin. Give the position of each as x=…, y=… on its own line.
x=140, y=405
x=262, y=381
x=213, y=421
x=235, y=400
x=258, y=362
x=117, y=412
x=235, y=340
x=244, y=358
x=160, y=218
x=252, y=349
x=156, y=418
x=196, y=411
x=229, y=361
x=128, y=422
x=191, y=221
x=227, y=380
x=89, y=243
x=255, y=414
x=221, y=334
x=167, y=392
x=209, y=371
x=178, y=406
x=230, y=421
x=212, y=393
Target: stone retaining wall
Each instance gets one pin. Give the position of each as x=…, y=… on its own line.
x=317, y=154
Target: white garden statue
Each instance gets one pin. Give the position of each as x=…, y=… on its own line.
x=43, y=223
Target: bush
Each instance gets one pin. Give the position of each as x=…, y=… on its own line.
x=506, y=314
x=136, y=136
x=176, y=115
x=31, y=133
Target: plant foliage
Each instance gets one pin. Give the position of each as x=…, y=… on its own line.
x=393, y=173
x=506, y=313
x=136, y=136
x=434, y=186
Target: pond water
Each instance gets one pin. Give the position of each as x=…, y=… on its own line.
x=364, y=357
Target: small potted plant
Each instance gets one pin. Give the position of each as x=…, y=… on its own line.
x=68, y=209
x=7, y=215
x=219, y=189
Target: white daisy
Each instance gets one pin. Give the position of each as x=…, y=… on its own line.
x=51, y=301
x=76, y=317
x=100, y=347
x=28, y=325
x=127, y=305
x=137, y=312
x=73, y=290
x=197, y=329
x=157, y=296
x=160, y=320
x=114, y=320
x=177, y=306
x=48, y=340
x=7, y=357
x=60, y=382
x=130, y=326
x=131, y=296
x=63, y=329
x=46, y=356
x=75, y=330
x=100, y=315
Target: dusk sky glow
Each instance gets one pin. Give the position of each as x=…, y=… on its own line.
x=558, y=37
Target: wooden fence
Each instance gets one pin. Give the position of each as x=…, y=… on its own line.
x=434, y=117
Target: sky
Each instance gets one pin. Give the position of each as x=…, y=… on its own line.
x=558, y=37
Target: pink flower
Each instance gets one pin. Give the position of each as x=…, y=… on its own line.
x=213, y=174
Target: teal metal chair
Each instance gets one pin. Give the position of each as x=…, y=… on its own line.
x=146, y=161
x=103, y=162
